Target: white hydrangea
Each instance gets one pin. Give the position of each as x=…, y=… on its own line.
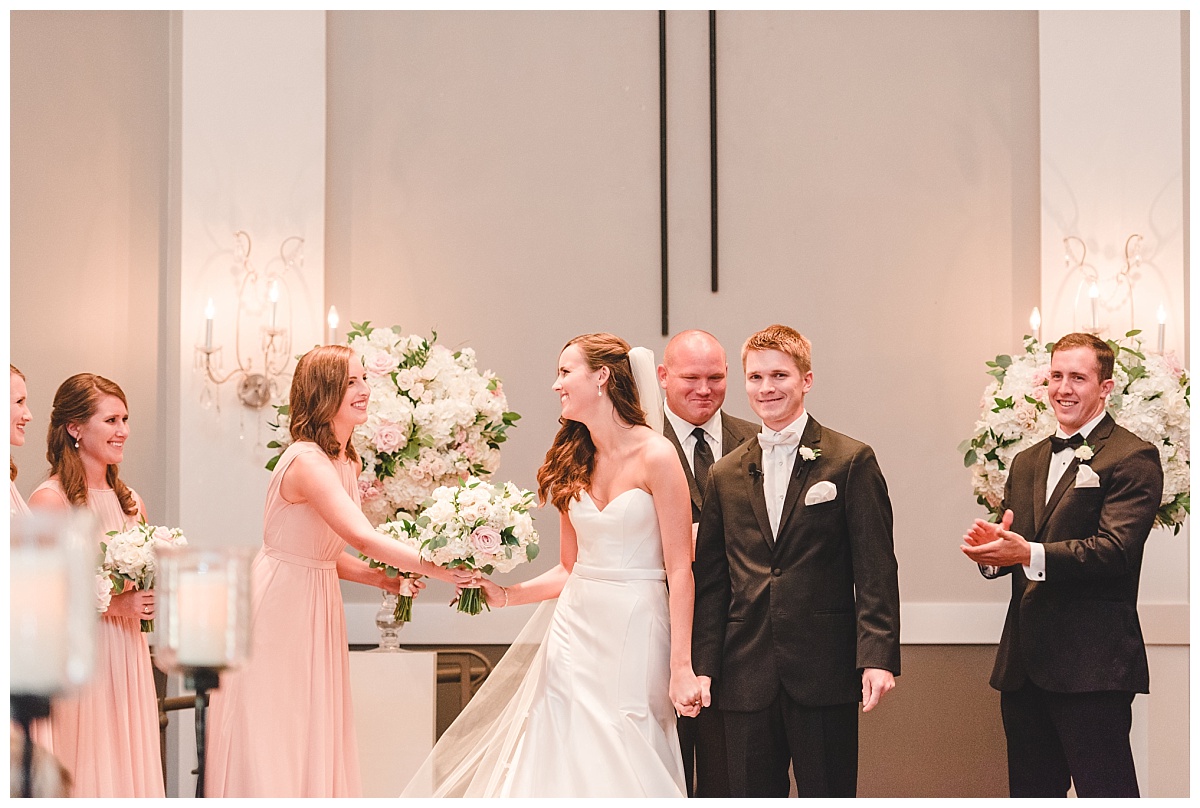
x=1150, y=399
x=479, y=526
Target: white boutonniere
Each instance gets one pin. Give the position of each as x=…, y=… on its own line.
x=1085, y=453
x=807, y=453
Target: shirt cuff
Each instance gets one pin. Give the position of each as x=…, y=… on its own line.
x=1036, y=569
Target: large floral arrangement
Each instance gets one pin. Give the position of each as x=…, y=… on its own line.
x=130, y=555
x=477, y=525
x=433, y=420
x=1151, y=399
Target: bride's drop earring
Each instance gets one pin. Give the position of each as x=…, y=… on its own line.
x=599, y=390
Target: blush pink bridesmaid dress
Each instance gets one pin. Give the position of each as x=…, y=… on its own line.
x=283, y=726
x=107, y=735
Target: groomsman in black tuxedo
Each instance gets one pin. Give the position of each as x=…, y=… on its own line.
x=693, y=375
x=1077, y=510
x=797, y=598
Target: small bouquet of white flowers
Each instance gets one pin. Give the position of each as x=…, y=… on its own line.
x=477, y=525
x=130, y=555
x=401, y=529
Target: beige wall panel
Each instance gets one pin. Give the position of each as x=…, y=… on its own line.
x=88, y=129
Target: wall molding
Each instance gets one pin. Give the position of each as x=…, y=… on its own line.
x=920, y=624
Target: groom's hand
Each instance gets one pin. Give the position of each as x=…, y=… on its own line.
x=876, y=682
x=994, y=544
x=705, y=690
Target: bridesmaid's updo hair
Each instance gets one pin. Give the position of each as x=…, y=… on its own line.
x=75, y=402
x=318, y=387
x=571, y=459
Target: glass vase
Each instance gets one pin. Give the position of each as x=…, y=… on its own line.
x=389, y=625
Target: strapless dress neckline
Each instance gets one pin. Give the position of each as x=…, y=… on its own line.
x=614, y=499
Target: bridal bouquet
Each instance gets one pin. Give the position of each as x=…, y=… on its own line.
x=477, y=525
x=433, y=419
x=130, y=555
x=1151, y=399
x=401, y=529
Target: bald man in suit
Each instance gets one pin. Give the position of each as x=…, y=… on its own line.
x=693, y=375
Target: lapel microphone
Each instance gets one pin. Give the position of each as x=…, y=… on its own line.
x=754, y=471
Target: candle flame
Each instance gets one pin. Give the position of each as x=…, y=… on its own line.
x=1035, y=319
x=1093, y=291
x=209, y=310
x=1162, y=314
x=333, y=317
x=273, y=292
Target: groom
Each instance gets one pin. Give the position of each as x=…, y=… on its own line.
x=693, y=375
x=797, y=599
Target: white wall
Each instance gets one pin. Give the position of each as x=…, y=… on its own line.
x=1112, y=164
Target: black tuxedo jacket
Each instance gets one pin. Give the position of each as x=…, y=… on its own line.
x=1078, y=630
x=806, y=611
x=734, y=432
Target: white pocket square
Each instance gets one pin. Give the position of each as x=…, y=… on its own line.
x=823, y=491
x=1086, y=477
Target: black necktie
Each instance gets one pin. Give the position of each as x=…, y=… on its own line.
x=1057, y=444
x=702, y=459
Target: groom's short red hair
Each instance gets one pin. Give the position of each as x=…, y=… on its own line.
x=781, y=338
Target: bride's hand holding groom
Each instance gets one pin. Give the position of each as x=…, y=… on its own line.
x=687, y=692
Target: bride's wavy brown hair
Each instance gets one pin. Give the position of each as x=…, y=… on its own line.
x=318, y=387
x=571, y=459
x=75, y=402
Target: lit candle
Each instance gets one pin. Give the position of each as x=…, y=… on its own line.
x=333, y=324
x=273, y=296
x=1094, y=294
x=209, y=311
x=38, y=625
x=203, y=603
x=1162, y=327
x=1035, y=322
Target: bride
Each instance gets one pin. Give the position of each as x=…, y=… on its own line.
x=584, y=702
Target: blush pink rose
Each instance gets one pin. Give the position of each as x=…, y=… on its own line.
x=388, y=438
x=485, y=539
x=380, y=364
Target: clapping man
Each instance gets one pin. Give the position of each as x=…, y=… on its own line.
x=693, y=375
x=1078, y=507
x=797, y=597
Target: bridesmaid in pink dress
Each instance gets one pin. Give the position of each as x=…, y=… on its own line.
x=283, y=726
x=106, y=735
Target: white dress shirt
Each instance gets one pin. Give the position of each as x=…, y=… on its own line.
x=683, y=430
x=777, y=469
x=1059, y=461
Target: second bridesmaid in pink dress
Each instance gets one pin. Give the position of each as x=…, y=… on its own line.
x=283, y=726
x=106, y=735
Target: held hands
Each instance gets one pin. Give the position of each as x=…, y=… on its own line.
x=875, y=682
x=994, y=544
x=135, y=603
x=689, y=692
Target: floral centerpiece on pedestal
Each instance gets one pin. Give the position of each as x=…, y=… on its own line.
x=433, y=419
x=1151, y=399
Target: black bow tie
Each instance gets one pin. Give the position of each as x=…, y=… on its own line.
x=1057, y=444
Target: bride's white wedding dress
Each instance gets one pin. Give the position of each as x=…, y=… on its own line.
x=578, y=707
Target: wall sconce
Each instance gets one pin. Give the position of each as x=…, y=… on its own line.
x=1090, y=280
x=264, y=303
